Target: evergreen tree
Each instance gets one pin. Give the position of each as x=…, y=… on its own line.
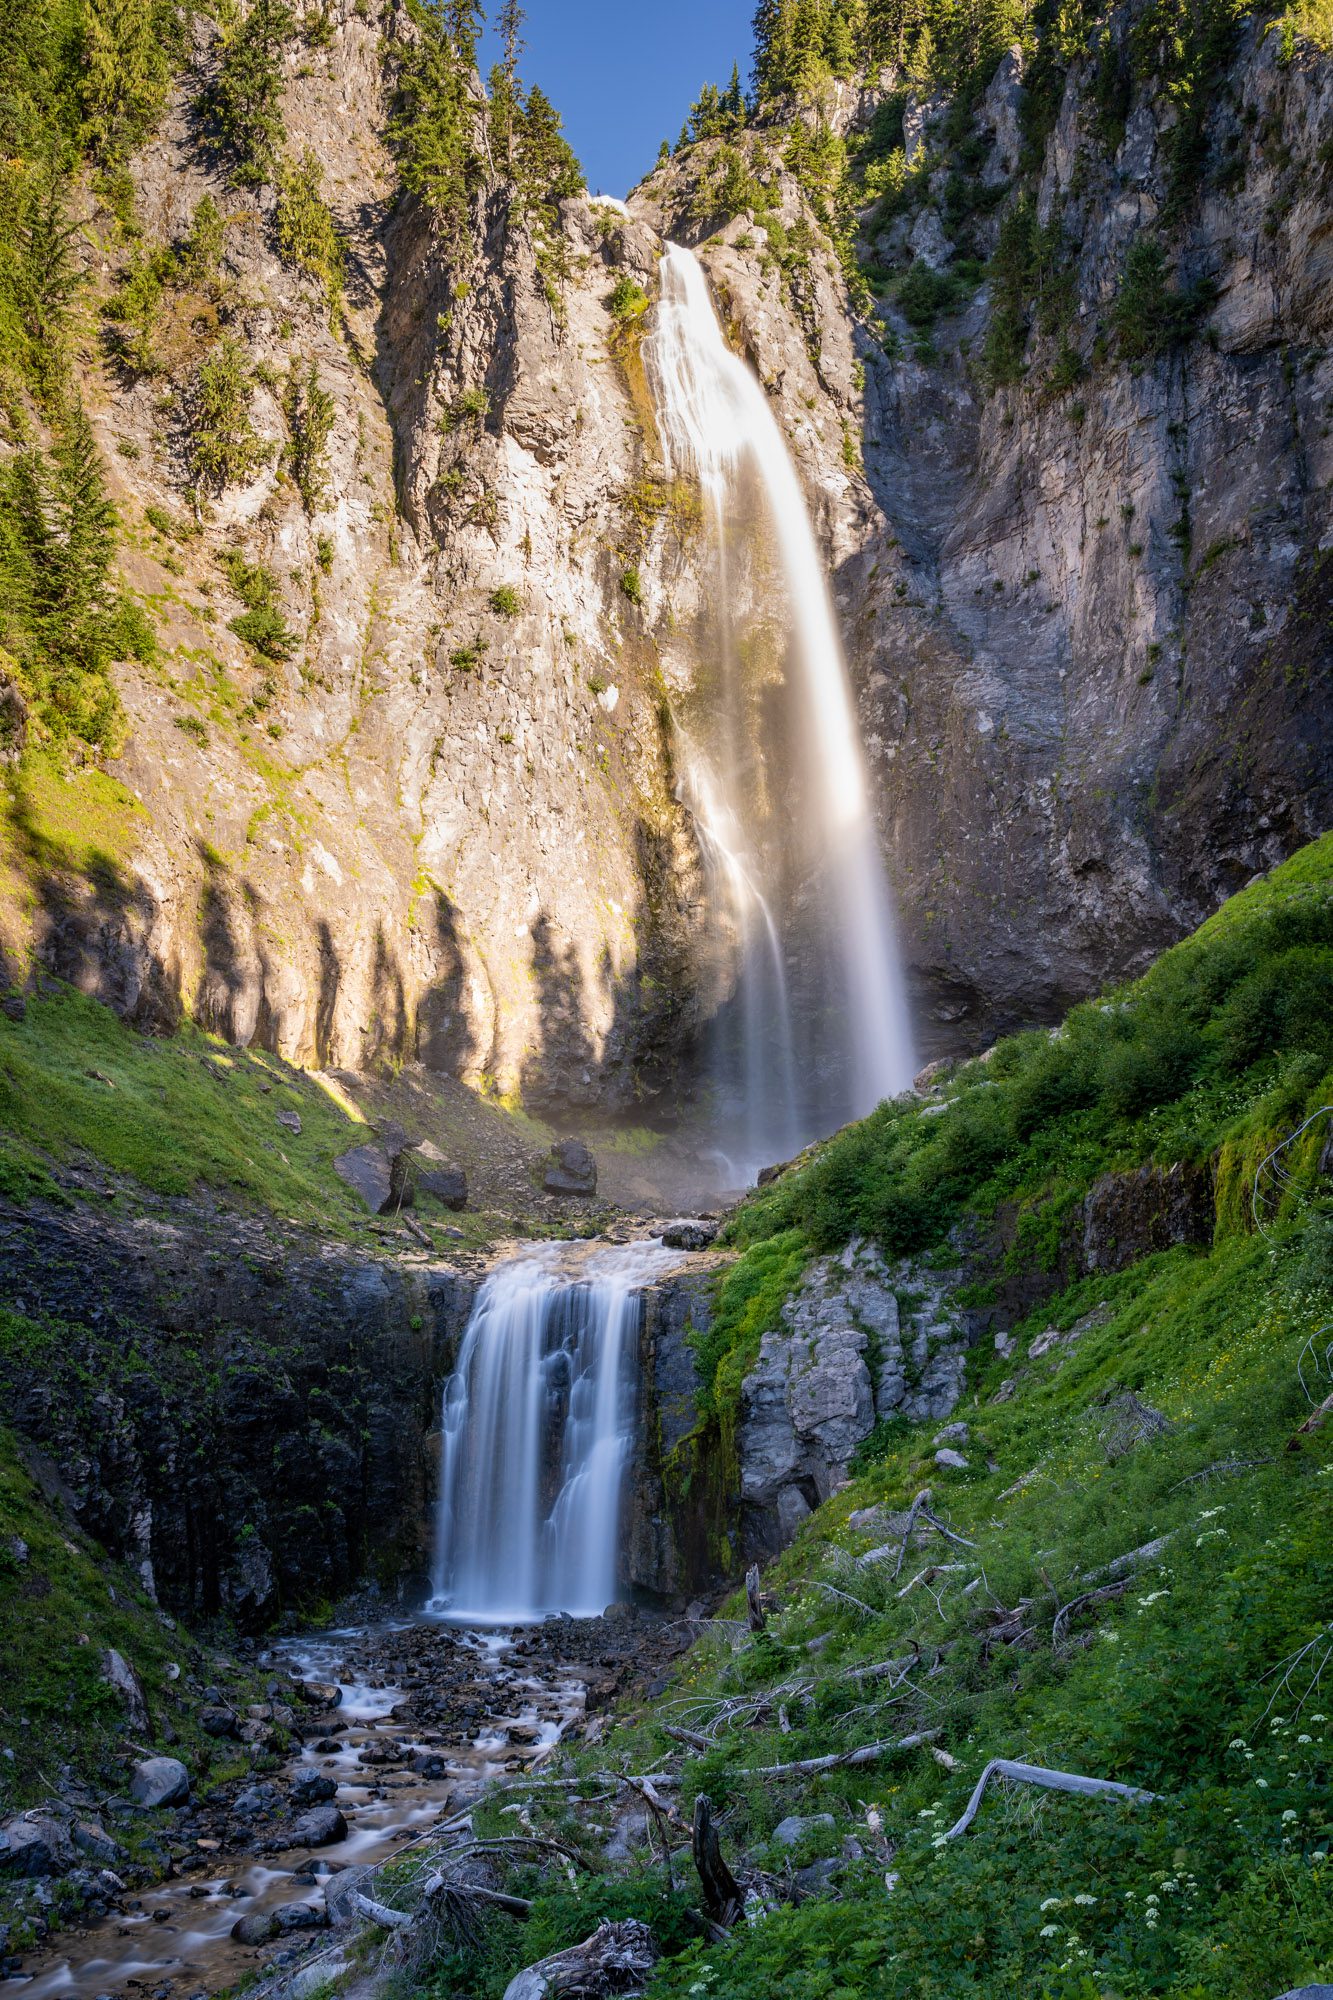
x=511, y=36
x=464, y=20
x=434, y=126
x=548, y=169
x=125, y=69
x=246, y=97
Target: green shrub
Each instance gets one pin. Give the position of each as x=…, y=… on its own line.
x=224, y=445
x=311, y=414
x=630, y=586
x=245, y=98
x=505, y=601
x=308, y=237
x=627, y=300
x=261, y=625
x=1151, y=315
x=471, y=407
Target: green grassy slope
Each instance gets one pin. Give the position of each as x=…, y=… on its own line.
x=1204, y=1675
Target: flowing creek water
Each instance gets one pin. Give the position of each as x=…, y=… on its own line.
x=425, y=1716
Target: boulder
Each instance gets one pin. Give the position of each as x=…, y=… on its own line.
x=318, y=1694
x=313, y=1788
x=160, y=1781
x=434, y=1175
x=792, y=1831
x=571, y=1169
x=93, y=1840
x=367, y=1172
x=35, y=1844
x=951, y=1434
x=428, y=1764
x=219, y=1722
x=689, y=1233
x=289, y=1120
x=1131, y=1215
x=301, y=1917
x=260, y=1928
x=255, y=1801
x=320, y=1827
x=951, y=1461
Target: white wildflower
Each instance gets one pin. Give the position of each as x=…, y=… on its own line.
x=1085, y=1902
x=1288, y=1816
x=1053, y=1903
x=1049, y=1930
x=1262, y=1783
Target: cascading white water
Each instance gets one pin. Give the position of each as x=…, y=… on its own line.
x=536, y=1432
x=717, y=424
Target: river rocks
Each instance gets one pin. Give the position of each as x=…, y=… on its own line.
x=320, y=1827
x=159, y=1781
x=382, y=1750
x=367, y=1170
x=92, y=1840
x=313, y=1788
x=256, y=1802
x=690, y=1233
x=259, y=1928
x=571, y=1169
x=318, y=1694
x=300, y=1917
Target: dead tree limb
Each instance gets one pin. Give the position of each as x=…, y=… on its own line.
x=446, y=1886
x=920, y=1509
x=1051, y=1781
x=722, y=1896
x=380, y=1913
x=689, y=1737
x=617, y=1958
x=753, y=1606
x=1089, y=1597
x=1312, y=1423
x=804, y=1767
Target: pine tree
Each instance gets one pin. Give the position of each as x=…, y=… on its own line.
x=548, y=169
x=435, y=119
x=464, y=20
x=125, y=68
x=246, y=97
x=511, y=36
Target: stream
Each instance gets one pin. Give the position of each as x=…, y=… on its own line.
x=425, y=1715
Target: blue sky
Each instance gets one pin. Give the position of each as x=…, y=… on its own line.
x=623, y=73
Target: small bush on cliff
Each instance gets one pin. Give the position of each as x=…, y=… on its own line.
x=311, y=415
x=225, y=447
x=1151, y=315
x=308, y=237
x=245, y=97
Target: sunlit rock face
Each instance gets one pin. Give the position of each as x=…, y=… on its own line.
x=1085, y=630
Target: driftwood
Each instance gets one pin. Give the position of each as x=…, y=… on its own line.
x=920, y=1511
x=868, y=1752
x=1132, y=1560
x=723, y=1897
x=1051, y=1781
x=753, y=1605
x=380, y=1913
x=617, y=1958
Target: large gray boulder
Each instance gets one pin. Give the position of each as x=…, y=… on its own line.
x=160, y=1781
x=367, y=1171
x=35, y=1844
x=432, y=1175
x=118, y=1672
x=571, y=1169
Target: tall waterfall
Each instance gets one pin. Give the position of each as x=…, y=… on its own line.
x=794, y=1079
x=536, y=1433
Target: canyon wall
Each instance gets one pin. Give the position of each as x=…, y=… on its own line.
x=1086, y=626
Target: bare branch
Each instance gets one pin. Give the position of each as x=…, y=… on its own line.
x=866, y=1754
x=1051, y=1781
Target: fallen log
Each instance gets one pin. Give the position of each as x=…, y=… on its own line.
x=805, y=1767
x=617, y=1958
x=380, y=1913
x=920, y=1510
x=1103, y=1595
x=448, y=1886
x=1051, y=1781
x=1312, y=1423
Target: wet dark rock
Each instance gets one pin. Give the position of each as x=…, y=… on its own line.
x=93, y=1840
x=428, y=1764
x=435, y=1177
x=313, y=1788
x=381, y=1751
x=256, y=1801
x=318, y=1694
x=300, y=1917
x=160, y=1781
x=320, y=1827
x=1129, y=1216
x=817, y=1877
x=260, y=1928
x=220, y=1722
x=571, y=1169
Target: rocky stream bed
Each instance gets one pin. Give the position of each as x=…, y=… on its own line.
x=392, y=1732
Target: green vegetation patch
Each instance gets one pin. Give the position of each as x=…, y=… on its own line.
x=171, y=1114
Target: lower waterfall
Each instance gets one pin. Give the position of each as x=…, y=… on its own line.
x=536, y=1433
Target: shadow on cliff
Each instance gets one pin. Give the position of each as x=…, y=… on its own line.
x=621, y=1040
x=92, y=920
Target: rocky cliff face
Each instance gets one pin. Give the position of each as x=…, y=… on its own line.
x=1085, y=626
x=247, y=1425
